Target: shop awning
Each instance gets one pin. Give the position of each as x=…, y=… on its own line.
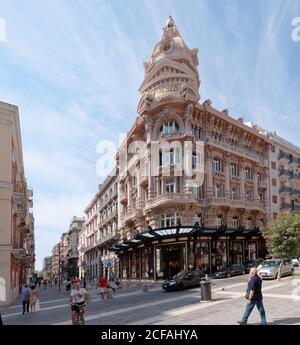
x=176, y=232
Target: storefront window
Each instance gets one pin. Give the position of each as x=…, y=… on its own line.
x=218, y=255
x=145, y=266
x=169, y=260
x=202, y=256
x=125, y=266
x=237, y=252
x=133, y=265
x=251, y=250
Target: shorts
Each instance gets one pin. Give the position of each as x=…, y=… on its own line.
x=102, y=290
x=77, y=306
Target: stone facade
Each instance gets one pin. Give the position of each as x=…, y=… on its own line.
x=233, y=161
x=17, y=258
x=100, y=232
x=284, y=166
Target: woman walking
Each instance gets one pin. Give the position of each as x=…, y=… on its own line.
x=34, y=296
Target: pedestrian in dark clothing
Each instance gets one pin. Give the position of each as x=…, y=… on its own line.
x=254, y=298
x=25, y=298
x=84, y=283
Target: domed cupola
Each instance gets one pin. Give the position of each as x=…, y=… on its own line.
x=171, y=73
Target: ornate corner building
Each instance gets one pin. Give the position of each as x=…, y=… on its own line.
x=167, y=222
x=17, y=246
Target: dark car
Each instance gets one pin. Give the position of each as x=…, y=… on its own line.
x=252, y=263
x=230, y=270
x=183, y=279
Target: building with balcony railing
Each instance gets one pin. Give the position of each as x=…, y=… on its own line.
x=100, y=232
x=17, y=258
x=284, y=176
x=227, y=189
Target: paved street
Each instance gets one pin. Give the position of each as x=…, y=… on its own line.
x=132, y=306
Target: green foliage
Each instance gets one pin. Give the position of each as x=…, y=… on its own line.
x=283, y=236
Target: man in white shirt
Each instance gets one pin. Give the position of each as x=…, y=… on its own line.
x=78, y=298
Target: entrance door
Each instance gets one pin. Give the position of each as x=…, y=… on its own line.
x=170, y=259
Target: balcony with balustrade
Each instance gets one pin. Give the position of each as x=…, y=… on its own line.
x=295, y=178
x=286, y=207
x=294, y=163
x=283, y=157
x=284, y=174
x=172, y=199
x=285, y=191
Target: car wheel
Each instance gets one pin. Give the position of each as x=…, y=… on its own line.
x=228, y=275
x=292, y=272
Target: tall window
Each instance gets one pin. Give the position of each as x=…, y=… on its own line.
x=170, y=186
x=248, y=173
x=233, y=169
x=197, y=132
x=195, y=160
x=217, y=165
x=169, y=157
x=169, y=219
x=234, y=194
x=259, y=177
x=235, y=222
x=169, y=127
x=218, y=221
x=249, y=195
x=218, y=191
x=248, y=224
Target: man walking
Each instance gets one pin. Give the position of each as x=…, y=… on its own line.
x=254, y=298
x=25, y=298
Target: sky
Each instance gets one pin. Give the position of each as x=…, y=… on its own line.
x=74, y=69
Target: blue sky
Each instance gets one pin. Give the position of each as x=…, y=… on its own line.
x=74, y=69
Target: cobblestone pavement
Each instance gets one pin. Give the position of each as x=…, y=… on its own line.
x=130, y=305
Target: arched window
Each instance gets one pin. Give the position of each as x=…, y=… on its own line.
x=169, y=127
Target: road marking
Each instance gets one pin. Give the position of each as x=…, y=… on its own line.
x=67, y=304
x=127, y=309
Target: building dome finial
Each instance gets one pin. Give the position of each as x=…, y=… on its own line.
x=170, y=22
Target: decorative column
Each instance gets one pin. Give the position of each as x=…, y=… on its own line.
x=256, y=197
x=209, y=175
x=242, y=178
x=227, y=176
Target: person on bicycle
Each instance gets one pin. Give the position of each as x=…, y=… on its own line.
x=78, y=298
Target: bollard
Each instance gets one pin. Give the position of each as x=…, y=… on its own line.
x=206, y=290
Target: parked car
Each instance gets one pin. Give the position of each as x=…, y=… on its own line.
x=269, y=268
x=252, y=263
x=295, y=262
x=183, y=279
x=231, y=270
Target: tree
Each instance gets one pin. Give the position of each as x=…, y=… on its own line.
x=283, y=237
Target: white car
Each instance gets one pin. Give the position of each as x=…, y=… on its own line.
x=295, y=262
x=269, y=268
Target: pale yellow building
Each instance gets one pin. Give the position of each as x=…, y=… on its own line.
x=16, y=221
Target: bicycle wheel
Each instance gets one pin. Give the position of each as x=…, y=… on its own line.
x=80, y=319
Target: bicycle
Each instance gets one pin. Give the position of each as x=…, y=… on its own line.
x=79, y=314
